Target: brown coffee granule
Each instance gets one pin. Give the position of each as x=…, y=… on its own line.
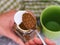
x=22, y=26
x=29, y=20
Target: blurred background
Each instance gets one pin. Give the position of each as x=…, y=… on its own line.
x=36, y=6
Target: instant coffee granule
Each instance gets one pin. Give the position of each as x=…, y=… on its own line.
x=22, y=26
x=29, y=20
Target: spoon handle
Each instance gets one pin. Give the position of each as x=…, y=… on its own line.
x=40, y=37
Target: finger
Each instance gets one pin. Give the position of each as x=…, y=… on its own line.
x=49, y=42
x=27, y=43
x=37, y=41
x=31, y=42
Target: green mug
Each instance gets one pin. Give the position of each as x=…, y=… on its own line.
x=50, y=21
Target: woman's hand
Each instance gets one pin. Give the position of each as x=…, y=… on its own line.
x=6, y=26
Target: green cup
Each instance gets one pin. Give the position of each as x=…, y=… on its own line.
x=50, y=21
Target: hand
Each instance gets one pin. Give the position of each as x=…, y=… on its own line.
x=6, y=26
x=37, y=41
